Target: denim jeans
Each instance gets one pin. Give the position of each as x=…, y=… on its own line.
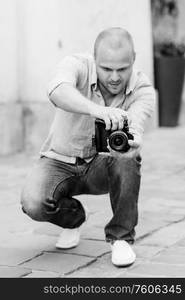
x=48, y=194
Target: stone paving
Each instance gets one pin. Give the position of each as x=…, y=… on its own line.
x=27, y=247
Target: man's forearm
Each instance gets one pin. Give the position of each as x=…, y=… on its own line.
x=69, y=99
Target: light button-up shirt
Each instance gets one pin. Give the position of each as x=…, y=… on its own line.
x=71, y=135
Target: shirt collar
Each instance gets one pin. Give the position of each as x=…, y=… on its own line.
x=132, y=82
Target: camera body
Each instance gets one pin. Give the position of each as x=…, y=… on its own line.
x=117, y=139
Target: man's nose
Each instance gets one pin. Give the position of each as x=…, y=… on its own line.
x=115, y=76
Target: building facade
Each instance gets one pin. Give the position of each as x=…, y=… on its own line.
x=34, y=36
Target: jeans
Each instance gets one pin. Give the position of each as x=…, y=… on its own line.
x=48, y=194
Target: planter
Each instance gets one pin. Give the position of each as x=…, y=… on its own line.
x=169, y=80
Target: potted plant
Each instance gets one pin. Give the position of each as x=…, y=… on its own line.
x=169, y=61
x=169, y=66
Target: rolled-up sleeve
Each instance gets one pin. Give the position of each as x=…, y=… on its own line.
x=141, y=107
x=70, y=70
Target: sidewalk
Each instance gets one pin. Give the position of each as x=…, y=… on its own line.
x=27, y=247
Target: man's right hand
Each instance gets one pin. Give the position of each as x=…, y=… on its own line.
x=113, y=117
x=70, y=99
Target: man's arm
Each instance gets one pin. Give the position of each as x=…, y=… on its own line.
x=68, y=98
x=141, y=108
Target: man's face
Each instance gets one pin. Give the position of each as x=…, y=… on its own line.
x=114, y=68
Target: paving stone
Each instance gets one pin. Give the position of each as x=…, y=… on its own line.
x=181, y=243
x=151, y=221
x=172, y=233
x=174, y=250
x=134, y=275
x=146, y=252
x=48, y=229
x=173, y=259
x=179, y=210
x=12, y=219
x=95, y=203
x=155, y=270
x=161, y=202
x=7, y=196
x=59, y=263
x=163, y=215
x=146, y=226
x=93, y=233
x=100, y=219
x=13, y=272
x=87, y=247
x=102, y=268
x=42, y=274
x=29, y=241
x=13, y=257
x=170, y=185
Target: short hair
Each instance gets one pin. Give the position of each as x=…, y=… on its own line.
x=116, y=36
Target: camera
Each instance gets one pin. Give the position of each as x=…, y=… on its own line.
x=117, y=139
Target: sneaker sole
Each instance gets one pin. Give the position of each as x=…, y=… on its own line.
x=123, y=265
x=66, y=248
x=69, y=246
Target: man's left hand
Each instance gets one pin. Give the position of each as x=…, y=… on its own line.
x=132, y=152
x=134, y=143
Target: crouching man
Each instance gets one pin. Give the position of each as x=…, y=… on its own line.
x=104, y=86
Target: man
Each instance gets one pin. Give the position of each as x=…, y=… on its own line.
x=85, y=88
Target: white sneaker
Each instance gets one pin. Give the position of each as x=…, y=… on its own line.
x=122, y=254
x=70, y=238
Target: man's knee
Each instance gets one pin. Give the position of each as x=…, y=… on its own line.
x=136, y=158
x=127, y=158
x=32, y=206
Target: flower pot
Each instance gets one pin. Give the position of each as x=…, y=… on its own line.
x=169, y=80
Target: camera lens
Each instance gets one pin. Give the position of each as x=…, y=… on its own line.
x=118, y=141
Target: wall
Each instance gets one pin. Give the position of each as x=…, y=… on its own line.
x=10, y=109
x=181, y=28
x=80, y=25
x=37, y=33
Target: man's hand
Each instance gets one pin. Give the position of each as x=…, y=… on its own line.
x=134, y=144
x=134, y=150
x=113, y=117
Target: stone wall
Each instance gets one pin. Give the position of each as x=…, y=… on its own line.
x=35, y=35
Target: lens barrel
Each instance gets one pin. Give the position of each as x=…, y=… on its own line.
x=118, y=141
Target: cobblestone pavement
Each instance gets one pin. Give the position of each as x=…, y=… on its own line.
x=27, y=247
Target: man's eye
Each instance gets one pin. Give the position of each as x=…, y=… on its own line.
x=107, y=69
